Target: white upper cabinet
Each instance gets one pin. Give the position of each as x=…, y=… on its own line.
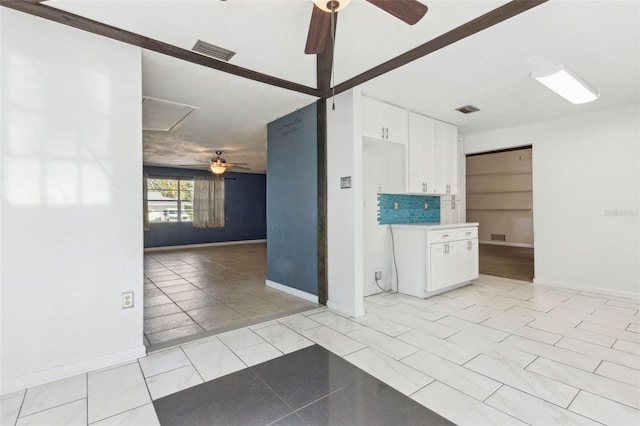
x=421, y=154
x=446, y=158
x=383, y=121
x=432, y=156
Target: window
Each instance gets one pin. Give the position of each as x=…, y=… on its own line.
x=169, y=200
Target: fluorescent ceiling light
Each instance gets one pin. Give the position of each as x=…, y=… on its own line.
x=566, y=83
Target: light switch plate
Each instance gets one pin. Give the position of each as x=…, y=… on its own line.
x=345, y=182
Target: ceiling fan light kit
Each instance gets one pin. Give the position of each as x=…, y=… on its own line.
x=331, y=5
x=566, y=83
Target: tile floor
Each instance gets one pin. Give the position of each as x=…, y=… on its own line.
x=498, y=351
x=190, y=293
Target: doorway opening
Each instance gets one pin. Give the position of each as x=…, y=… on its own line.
x=500, y=198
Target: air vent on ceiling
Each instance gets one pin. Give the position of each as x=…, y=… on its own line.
x=467, y=109
x=212, y=50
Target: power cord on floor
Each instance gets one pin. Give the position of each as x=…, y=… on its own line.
x=395, y=267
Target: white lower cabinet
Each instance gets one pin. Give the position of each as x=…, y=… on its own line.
x=431, y=259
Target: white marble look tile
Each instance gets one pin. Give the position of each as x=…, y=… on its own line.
x=463, y=314
x=576, y=333
x=534, y=305
x=522, y=330
x=460, y=408
x=633, y=327
x=604, y=410
x=610, y=331
x=141, y=416
x=173, y=381
x=330, y=339
x=52, y=394
x=533, y=410
x=116, y=390
x=443, y=348
x=240, y=339
x=336, y=322
x=526, y=381
x=383, y=343
x=474, y=329
x=382, y=299
x=425, y=313
x=619, y=372
x=299, y=323
x=565, y=356
x=570, y=318
x=624, y=303
x=626, y=346
x=161, y=362
x=493, y=349
x=507, y=315
x=593, y=383
x=71, y=414
x=256, y=354
x=212, y=358
x=394, y=373
x=451, y=374
x=10, y=407
x=619, y=357
x=609, y=319
x=283, y=338
x=381, y=324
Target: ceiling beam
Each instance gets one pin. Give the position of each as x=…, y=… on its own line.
x=35, y=8
x=483, y=22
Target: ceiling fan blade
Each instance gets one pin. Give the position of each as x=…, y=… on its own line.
x=409, y=11
x=318, y=31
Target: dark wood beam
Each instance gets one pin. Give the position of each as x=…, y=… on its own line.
x=324, y=61
x=323, y=280
x=85, y=24
x=483, y=22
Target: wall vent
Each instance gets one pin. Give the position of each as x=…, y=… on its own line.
x=467, y=109
x=212, y=51
x=498, y=237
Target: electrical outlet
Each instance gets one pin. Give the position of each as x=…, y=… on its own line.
x=395, y=205
x=426, y=205
x=127, y=299
x=345, y=182
x=378, y=275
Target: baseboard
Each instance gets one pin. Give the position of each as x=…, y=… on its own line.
x=572, y=286
x=504, y=243
x=346, y=310
x=292, y=291
x=68, y=370
x=191, y=246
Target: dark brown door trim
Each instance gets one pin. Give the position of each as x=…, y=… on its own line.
x=323, y=283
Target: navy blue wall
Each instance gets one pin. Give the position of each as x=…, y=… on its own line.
x=245, y=212
x=292, y=201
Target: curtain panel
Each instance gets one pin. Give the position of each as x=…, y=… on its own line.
x=145, y=203
x=208, y=202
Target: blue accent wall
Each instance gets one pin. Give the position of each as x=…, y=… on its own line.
x=292, y=200
x=410, y=209
x=245, y=212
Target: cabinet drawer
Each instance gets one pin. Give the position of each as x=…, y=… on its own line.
x=467, y=233
x=441, y=236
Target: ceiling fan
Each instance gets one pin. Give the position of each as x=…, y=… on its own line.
x=323, y=18
x=219, y=165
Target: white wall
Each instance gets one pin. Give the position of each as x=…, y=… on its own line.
x=586, y=195
x=71, y=218
x=344, y=206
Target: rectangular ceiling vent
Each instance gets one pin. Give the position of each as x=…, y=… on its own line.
x=213, y=51
x=467, y=109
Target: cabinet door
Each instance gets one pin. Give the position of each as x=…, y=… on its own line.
x=421, y=154
x=372, y=126
x=394, y=121
x=467, y=260
x=446, y=141
x=443, y=264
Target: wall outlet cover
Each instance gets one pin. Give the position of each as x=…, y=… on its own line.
x=345, y=182
x=127, y=299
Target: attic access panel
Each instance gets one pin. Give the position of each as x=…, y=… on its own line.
x=164, y=116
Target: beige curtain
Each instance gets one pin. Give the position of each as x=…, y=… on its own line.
x=208, y=202
x=145, y=203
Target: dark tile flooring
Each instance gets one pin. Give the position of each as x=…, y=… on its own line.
x=507, y=262
x=190, y=293
x=311, y=386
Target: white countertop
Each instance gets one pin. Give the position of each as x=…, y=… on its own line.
x=436, y=225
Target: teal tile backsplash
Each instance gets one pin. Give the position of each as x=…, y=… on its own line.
x=410, y=209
